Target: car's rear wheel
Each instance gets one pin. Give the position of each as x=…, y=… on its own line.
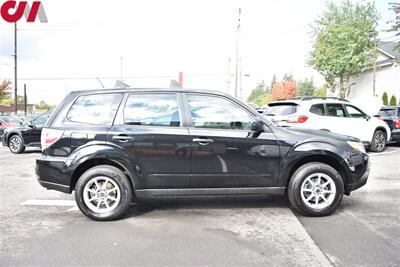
x=315, y=189
x=16, y=144
x=378, y=142
x=103, y=193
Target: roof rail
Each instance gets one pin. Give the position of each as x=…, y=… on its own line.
x=314, y=97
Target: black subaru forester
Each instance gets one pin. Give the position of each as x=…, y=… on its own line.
x=114, y=146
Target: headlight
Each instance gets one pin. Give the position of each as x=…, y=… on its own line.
x=357, y=145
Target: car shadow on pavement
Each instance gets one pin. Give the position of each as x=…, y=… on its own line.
x=205, y=202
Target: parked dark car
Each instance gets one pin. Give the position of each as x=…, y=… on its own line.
x=391, y=115
x=18, y=138
x=7, y=122
x=114, y=146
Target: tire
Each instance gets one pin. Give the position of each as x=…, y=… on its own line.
x=378, y=142
x=16, y=144
x=304, y=178
x=107, y=185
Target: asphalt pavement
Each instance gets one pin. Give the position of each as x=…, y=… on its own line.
x=44, y=228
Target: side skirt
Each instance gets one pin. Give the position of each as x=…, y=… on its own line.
x=146, y=193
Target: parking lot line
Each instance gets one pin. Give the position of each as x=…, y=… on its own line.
x=49, y=202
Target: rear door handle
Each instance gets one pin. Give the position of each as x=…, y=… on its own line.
x=203, y=141
x=122, y=138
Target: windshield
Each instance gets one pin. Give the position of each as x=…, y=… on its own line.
x=385, y=113
x=281, y=109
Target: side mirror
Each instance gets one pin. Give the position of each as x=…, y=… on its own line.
x=257, y=127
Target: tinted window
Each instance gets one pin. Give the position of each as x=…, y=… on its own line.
x=152, y=109
x=217, y=112
x=318, y=109
x=281, y=109
x=335, y=110
x=354, y=112
x=95, y=109
x=387, y=113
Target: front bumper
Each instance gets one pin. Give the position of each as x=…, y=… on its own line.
x=360, y=183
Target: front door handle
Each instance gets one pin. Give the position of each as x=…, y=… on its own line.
x=122, y=138
x=203, y=141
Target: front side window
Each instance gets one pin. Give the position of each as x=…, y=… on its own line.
x=96, y=109
x=318, y=109
x=152, y=110
x=335, y=110
x=354, y=112
x=218, y=113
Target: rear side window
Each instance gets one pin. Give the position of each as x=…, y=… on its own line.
x=387, y=113
x=281, y=109
x=152, y=110
x=318, y=109
x=335, y=110
x=96, y=109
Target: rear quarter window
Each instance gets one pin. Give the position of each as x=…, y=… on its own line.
x=97, y=109
x=318, y=109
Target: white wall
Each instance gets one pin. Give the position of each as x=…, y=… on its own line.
x=387, y=80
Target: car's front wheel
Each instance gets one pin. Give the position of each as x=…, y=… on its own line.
x=16, y=144
x=103, y=193
x=315, y=189
x=378, y=142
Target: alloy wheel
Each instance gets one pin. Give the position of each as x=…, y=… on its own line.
x=101, y=195
x=379, y=141
x=15, y=144
x=318, y=191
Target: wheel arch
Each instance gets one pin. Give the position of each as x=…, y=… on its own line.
x=92, y=162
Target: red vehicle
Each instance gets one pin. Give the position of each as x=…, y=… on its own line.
x=8, y=122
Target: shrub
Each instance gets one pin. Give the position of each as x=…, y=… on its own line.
x=393, y=101
x=385, y=99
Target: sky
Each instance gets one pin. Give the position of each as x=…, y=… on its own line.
x=82, y=44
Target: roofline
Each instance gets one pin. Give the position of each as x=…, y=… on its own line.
x=142, y=89
x=386, y=53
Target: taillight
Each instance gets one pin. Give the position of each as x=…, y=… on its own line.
x=397, y=124
x=297, y=119
x=49, y=137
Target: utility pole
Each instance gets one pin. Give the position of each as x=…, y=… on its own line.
x=25, y=100
x=374, y=74
x=15, y=69
x=229, y=76
x=237, y=55
x=121, y=69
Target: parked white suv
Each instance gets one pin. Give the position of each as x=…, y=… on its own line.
x=330, y=114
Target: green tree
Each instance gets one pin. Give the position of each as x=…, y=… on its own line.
x=385, y=99
x=273, y=81
x=43, y=106
x=393, y=101
x=344, y=43
x=5, y=86
x=258, y=95
x=288, y=77
x=306, y=87
x=395, y=24
x=321, y=91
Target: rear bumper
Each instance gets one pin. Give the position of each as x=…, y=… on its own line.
x=395, y=135
x=50, y=174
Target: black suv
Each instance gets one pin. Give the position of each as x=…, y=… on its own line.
x=112, y=146
x=18, y=138
x=391, y=115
